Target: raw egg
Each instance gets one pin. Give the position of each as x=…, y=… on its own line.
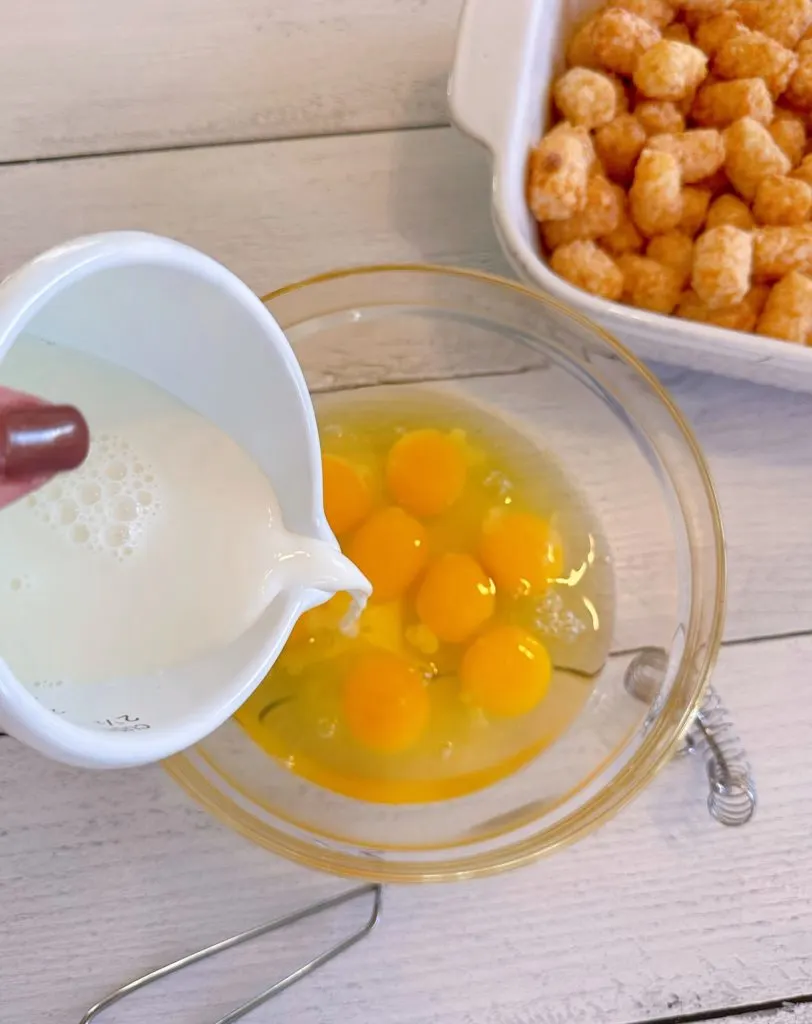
x=385, y=702
x=390, y=550
x=347, y=497
x=506, y=672
x=521, y=552
x=455, y=598
x=426, y=471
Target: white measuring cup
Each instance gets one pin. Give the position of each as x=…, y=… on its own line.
x=182, y=321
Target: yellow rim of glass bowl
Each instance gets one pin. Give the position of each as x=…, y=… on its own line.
x=633, y=777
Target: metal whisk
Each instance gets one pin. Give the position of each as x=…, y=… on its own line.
x=254, y=933
x=731, y=790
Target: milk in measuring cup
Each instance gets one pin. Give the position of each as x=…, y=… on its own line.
x=165, y=545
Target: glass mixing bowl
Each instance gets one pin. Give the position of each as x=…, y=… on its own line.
x=574, y=390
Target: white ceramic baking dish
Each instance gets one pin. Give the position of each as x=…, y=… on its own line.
x=508, y=53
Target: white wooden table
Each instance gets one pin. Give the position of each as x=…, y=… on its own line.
x=286, y=137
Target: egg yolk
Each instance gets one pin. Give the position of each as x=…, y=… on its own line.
x=426, y=471
x=347, y=497
x=521, y=552
x=385, y=702
x=505, y=672
x=390, y=550
x=455, y=598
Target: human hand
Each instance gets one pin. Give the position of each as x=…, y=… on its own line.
x=36, y=441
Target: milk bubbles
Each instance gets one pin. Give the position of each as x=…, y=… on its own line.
x=107, y=504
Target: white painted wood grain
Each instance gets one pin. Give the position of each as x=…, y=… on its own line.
x=86, y=76
x=663, y=911
x=276, y=212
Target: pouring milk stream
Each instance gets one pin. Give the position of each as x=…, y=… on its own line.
x=144, y=596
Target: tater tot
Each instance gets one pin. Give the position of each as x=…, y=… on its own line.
x=620, y=38
x=649, y=284
x=669, y=70
x=716, y=183
x=585, y=98
x=782, y=20
x=712, y=32
x=741, y=316
x=624, y=238
x=704, y=8
x=788, y=311
x=777, y=251
x=751, y=155
x=658, y=116
x=600, y=215
x=790, y=134
x=699, y=152
x=678, y=32
x=587, y=266
x=781, y=200
x=695, y=203
x=804, y=170
x=558, y=173
x=729, y=209
x=581, y=48
x=618, y=145
x=675, y=250
x=657, y=12
x=722, y=103
x=723, y=260
x=754, y=55
x=656, y=194
x=799, y=90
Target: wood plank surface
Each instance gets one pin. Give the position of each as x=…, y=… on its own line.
x=661, y=913
x=86, y=76
x=276, y=212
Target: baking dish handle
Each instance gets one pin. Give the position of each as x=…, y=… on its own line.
x=488, y=67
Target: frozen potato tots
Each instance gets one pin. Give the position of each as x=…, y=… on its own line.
x=658, y=116
x=729, y=209
x=620, y=38
x=656, y=194
x=669, y=70
x=751, y=155
x=804, y=170
x=788, y=311
x=586, y=98
x=790, y=134
x=781, y=200
x=675, y=250
x=712, y=32
x=677, y=180
x=700, y=152
x=779, y=250
x=587, y=266
x=695, y=203
x=649, y=284
x=657, y=12
x=704, y=8
x=782, y=20
x=624, y=238
x=600, y=215
x=559, y=171
x=678, y=31
x=754, y=55
x=581, y=48
x=799, y=90
x=723, y=260
x=741, y=316
x=721, y=103
x=618, y=145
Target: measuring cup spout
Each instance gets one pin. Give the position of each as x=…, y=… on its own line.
x=319, y=565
